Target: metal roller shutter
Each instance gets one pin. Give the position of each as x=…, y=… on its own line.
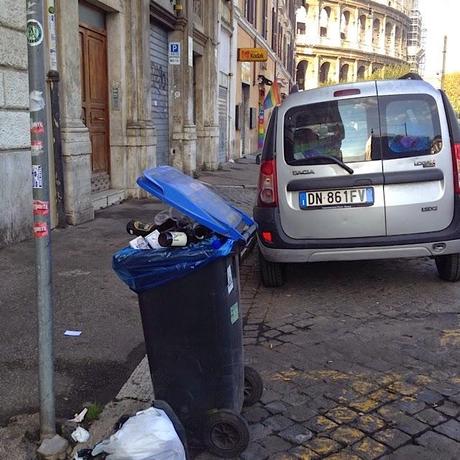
x=160, y=103
x=223, y=124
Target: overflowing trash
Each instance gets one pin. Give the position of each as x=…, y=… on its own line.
x=197, y=229
x=149, y=435
x=166, y=231
x=159, y=256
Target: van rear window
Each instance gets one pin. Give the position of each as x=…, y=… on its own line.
x=347, y=129
x=410, y=126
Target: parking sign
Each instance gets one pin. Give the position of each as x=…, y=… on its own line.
x=174, y=53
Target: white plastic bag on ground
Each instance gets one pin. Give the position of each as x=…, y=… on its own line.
x=149, y=435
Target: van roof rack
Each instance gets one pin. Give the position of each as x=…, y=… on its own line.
x=410, y=76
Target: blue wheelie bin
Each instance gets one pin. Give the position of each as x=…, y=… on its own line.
x=191, y=315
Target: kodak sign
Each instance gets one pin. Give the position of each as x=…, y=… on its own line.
x=252, y=54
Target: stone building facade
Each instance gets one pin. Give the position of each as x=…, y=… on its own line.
x=139, y=85
x=267, y=24
x=15, y=160
x=341, y=41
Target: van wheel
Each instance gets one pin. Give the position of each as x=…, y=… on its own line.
x=448, y=267
x=271, y=272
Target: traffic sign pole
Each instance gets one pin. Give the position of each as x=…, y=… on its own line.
x=41, y=211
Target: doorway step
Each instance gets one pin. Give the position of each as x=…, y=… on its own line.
x=106, y=198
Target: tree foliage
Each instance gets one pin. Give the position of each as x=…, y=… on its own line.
x=389, y=72
x=452, y=89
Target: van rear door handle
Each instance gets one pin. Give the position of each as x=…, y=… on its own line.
x=416, y=175
x=367, y=181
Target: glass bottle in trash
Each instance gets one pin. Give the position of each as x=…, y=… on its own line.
x=183, y=237
x=138, y=228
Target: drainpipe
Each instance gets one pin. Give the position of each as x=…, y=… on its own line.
x=53, y=81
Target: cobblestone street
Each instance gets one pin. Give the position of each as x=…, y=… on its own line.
x=359, y=361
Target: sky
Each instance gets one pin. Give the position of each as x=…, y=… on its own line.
x=441, y=17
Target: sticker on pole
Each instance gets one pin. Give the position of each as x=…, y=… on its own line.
x=36, y=101
x=37, y=176
x=36, y=147
x=40, y=229
x=37, y=127
x=40, y=208
x=34, y=32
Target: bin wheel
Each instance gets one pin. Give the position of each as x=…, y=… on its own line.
x=226, y=434
x=253, y=386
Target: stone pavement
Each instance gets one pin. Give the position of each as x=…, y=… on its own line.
x=349, y=376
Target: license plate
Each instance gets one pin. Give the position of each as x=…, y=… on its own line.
x=352, y=197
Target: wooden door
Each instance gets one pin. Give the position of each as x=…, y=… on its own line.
x=95, y=110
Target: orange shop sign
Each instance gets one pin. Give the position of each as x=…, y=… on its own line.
x=252, y=54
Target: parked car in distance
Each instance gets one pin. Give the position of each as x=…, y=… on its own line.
x=366, y=170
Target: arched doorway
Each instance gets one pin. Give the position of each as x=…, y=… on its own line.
x=302, y=67
x=376, y=32
x=324, y=72
x=344, y=25
x=324, y=21
x=344, y=70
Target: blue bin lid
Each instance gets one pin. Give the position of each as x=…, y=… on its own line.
x=196, y=200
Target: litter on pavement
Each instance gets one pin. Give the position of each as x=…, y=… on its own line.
x=149, y=435
x=72, y=333
x=80, y=435
x=78, y=418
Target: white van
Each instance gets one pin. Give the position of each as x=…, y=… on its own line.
x=366, y=170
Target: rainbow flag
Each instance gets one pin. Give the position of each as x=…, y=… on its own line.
x=273, y=97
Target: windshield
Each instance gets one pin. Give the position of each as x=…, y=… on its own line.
x=345, y=130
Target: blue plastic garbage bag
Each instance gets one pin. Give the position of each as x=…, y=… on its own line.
x=144, y=269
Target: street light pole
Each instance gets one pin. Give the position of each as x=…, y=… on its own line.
x=443, y=71
x=41, y=210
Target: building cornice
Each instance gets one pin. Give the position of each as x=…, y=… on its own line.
x=338, y=53
x=165, y=17
x=378, y=8
x=200, y=37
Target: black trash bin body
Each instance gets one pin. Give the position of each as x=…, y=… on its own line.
x=192, y=322
x=193, y=336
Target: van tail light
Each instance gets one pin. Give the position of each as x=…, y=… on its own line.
x=456, y=165
x=267, y=237
x=267, y=192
